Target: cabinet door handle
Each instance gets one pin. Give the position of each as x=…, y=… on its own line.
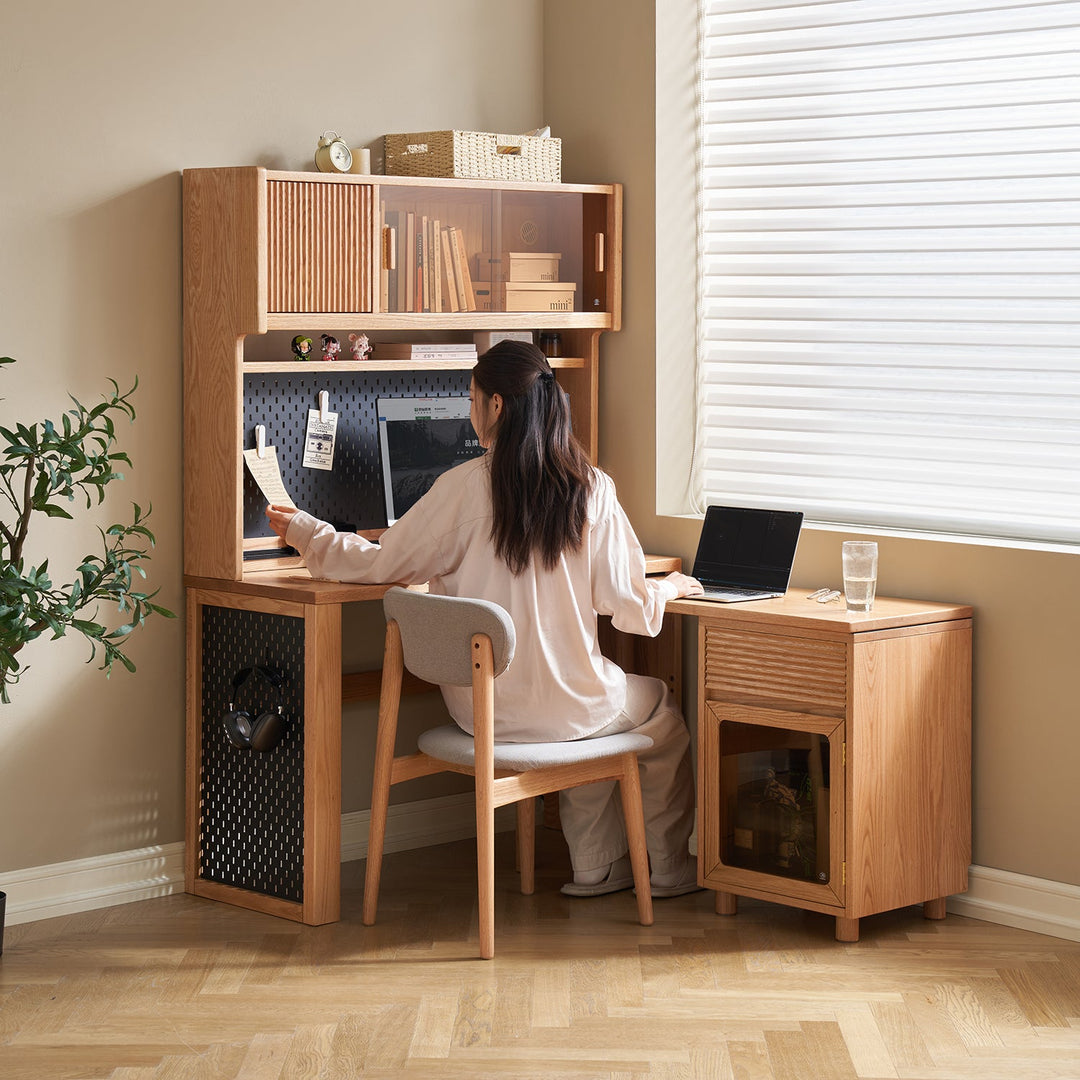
x=599, y=252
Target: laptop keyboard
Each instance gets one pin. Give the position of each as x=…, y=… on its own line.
x=733, y=590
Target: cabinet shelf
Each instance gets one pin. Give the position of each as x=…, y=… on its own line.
x=275, y=367
x=484, y=320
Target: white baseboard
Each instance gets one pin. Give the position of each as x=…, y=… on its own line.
x=998, y=896
x=419, y=824
x=45, y=892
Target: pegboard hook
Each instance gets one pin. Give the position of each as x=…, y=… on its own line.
x=260, y=440
x=324, y=404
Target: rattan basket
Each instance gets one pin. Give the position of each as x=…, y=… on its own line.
x=474, y=155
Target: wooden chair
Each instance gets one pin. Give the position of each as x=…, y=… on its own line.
x=461, y=642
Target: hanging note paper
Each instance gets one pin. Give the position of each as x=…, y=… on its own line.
x=267, y=474
x=319, y=439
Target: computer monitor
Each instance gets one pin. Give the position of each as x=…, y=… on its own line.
x=419, y=439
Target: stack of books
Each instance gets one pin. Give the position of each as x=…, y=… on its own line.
x=428, y=265
x=423, y=350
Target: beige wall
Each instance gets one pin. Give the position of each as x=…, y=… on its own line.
x=103, y=105
x=603, y=74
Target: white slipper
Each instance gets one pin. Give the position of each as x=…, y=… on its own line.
x=620, y=876
x=677, y=884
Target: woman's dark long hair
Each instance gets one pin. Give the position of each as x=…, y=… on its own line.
x=540, y=475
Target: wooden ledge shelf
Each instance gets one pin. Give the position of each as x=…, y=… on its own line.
x=275, y=367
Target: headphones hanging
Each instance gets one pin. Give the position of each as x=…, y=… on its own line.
x=264, y=731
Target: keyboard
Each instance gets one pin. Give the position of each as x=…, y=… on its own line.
x=734, y=592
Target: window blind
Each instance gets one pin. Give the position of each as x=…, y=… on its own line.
x=889, y=263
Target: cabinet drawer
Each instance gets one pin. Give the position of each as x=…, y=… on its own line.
x=804, y=674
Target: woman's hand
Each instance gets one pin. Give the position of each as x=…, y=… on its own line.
x=279, y=517
x=686, y=585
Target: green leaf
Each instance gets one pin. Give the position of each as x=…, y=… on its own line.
x=54, y=511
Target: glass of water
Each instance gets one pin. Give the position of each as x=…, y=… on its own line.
x=860, y=574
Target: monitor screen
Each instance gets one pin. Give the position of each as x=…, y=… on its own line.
x=419, y=439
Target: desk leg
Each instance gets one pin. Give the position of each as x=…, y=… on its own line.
x=934, y=909
x=726, y=903
x=847, y=929
x=264, y=829
x=322, y=764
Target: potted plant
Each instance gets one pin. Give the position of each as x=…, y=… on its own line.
x=45, y=468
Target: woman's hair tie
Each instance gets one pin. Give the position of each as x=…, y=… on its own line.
x=547, y=376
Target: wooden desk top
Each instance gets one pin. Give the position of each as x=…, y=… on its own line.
x=795, y=610
x=298, y=586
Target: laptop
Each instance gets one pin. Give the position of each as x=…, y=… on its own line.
x=746, y=553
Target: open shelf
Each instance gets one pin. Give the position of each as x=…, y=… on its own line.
x=337, y=366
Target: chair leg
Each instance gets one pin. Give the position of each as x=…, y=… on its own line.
x=634, y=815
x=384, y=765
x=484, y=773
x=485, y=869
x=526, y=844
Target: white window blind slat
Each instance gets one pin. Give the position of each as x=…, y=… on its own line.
x=889, y=326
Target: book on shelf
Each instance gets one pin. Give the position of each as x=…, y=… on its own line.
x=408, y=264
x=424, y=350
x=466, y=298
x=435, y=249
x=422, y=257
x=450, y=292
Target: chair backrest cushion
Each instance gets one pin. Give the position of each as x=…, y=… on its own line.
x=437, y=632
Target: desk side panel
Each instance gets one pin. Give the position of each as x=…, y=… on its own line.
x=909, y=770
x=224, y=225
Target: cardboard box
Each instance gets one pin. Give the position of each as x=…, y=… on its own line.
x=534, y=265
x=540, y=296
x=489, y=295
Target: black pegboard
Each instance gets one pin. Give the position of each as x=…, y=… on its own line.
x=352, y=494
x=251, y=832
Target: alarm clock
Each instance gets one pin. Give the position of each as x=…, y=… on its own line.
x=333, y=154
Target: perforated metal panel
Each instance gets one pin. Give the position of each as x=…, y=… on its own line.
x=252, y=804
x=352, y=494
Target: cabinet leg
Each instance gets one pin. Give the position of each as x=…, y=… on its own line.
x=847, y=929
x=934, y=909
x=726, y=903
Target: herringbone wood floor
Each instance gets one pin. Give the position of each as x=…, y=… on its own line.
x=184, y=988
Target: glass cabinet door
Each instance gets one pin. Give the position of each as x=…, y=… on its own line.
x=449, y=250
x=776, y=812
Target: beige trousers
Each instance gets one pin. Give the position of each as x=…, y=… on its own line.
x=592, y=818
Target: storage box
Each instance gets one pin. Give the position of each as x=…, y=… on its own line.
x=474, y=155
x=488, y=267
x=489, y=295
x=534, y=265
x=540, y=295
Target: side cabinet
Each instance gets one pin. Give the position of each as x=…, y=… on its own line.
x=835, y=758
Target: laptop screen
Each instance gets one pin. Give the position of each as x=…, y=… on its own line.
x=746, y=547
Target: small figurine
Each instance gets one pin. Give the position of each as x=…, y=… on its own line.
x=330, y=347
x=361, y=347
x=301, y=347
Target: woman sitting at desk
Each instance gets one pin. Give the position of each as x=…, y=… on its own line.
x=533, y=527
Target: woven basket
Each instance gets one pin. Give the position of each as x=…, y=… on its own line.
x=474, y=155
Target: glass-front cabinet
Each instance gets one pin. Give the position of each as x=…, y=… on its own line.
x=777, y=781
x=451, y=250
